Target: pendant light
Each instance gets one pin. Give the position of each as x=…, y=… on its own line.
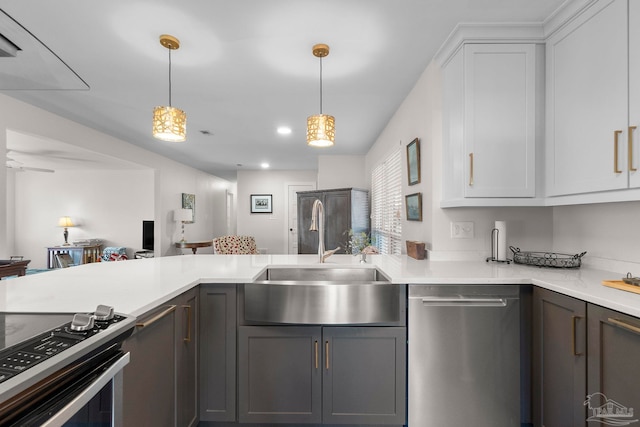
x=169, y=123
x=321, y=127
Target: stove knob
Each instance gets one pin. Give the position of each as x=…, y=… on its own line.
x=82, y=322
x=103, y=313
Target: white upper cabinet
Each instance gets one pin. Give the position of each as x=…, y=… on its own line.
x=490, y=126
x=587, y=138
x=633, y=165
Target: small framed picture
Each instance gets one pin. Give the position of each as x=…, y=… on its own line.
x=189, y=202
x=261, y=203
x=413, y=206
x=413, y=161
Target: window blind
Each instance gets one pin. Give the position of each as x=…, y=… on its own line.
x=386, y=205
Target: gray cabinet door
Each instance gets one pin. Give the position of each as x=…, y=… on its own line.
x=149, y=382
x=217, y=343
x=279, y=374
x=337, y=214
x=344, y=209
x=613, y=368
x=307, y=240
x=559, y=359
x=187, y=368
x=364, y=375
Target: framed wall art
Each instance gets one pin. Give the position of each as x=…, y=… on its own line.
x=413, y=161
x=189, y=202
x=261, y=203
x=413, y=206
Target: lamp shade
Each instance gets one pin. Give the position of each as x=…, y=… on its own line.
x=65, y=221
x=321, y=130
x=169, y=124
x=182, y=215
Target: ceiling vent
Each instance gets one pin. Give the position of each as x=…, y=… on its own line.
x=7, y=48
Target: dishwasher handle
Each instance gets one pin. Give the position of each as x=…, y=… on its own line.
x=463, y=302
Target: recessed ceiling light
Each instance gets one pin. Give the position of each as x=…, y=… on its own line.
x=284, y=130
x=264, y=165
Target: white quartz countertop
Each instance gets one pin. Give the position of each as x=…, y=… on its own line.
x=136, y=286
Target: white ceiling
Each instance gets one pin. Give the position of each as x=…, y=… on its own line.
x=244, y=68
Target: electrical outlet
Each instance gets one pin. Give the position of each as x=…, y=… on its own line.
x=462, y=230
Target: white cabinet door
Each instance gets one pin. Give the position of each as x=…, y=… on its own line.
x=633, y=144
x=499, y=116
x=492, y=93
x=587, y=102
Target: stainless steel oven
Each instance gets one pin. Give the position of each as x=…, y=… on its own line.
x=62, y=369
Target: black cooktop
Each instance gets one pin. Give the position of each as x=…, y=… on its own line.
x=32, y=338
x=18, y=327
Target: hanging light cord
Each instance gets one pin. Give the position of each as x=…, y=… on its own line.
x=320, y=85
x=169, y=77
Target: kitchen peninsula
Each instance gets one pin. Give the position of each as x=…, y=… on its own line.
x=201, y=296
x=136, y=286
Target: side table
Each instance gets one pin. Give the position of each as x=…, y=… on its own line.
x=194, y=245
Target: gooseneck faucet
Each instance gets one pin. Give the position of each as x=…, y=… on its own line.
x=317, y=224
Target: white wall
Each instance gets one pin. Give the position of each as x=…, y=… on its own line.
x=110, y=211
x=170, y=180
x=608, y=232
x=268, y=229
x=342, y=172
x=410, y=121
x=420, y=115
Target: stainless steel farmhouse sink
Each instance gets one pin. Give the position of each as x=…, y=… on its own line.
x=340, y=295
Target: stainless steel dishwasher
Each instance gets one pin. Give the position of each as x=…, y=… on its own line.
x=464, y=355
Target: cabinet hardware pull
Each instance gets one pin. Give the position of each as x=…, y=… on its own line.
x=616, y=133
x=326, y=354
x=188, y=337
x=157, y=317
x=631, y=129
x=316, y=351
x=624, y=325
x=470, y=169
x=573, y=331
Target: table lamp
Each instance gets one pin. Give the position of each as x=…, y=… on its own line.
x=183, y=215
x=65, y=222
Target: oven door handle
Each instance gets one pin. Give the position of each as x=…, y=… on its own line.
x=114, y=372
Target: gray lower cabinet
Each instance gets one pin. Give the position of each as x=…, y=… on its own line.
x=217, y=352
x=364, y=375
x=187, y=359
x=559, y=359
x=160, y=382
x=613, y=369
x=585, y=363
x=329, y=375
x=279, y=374
x=150, y=377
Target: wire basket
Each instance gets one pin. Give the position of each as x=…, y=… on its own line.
x=546, y=259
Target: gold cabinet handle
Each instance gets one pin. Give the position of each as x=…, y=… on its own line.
x=616, y=133
x=188, y=337
x=624, y=325
x=630, y=148
x=316, y=350
x=470, y=169
x=157, y=317
x=326, y=354
x=573, y=332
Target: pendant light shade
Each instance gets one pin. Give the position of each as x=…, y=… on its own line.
x=169, y=123
x=321, y=128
